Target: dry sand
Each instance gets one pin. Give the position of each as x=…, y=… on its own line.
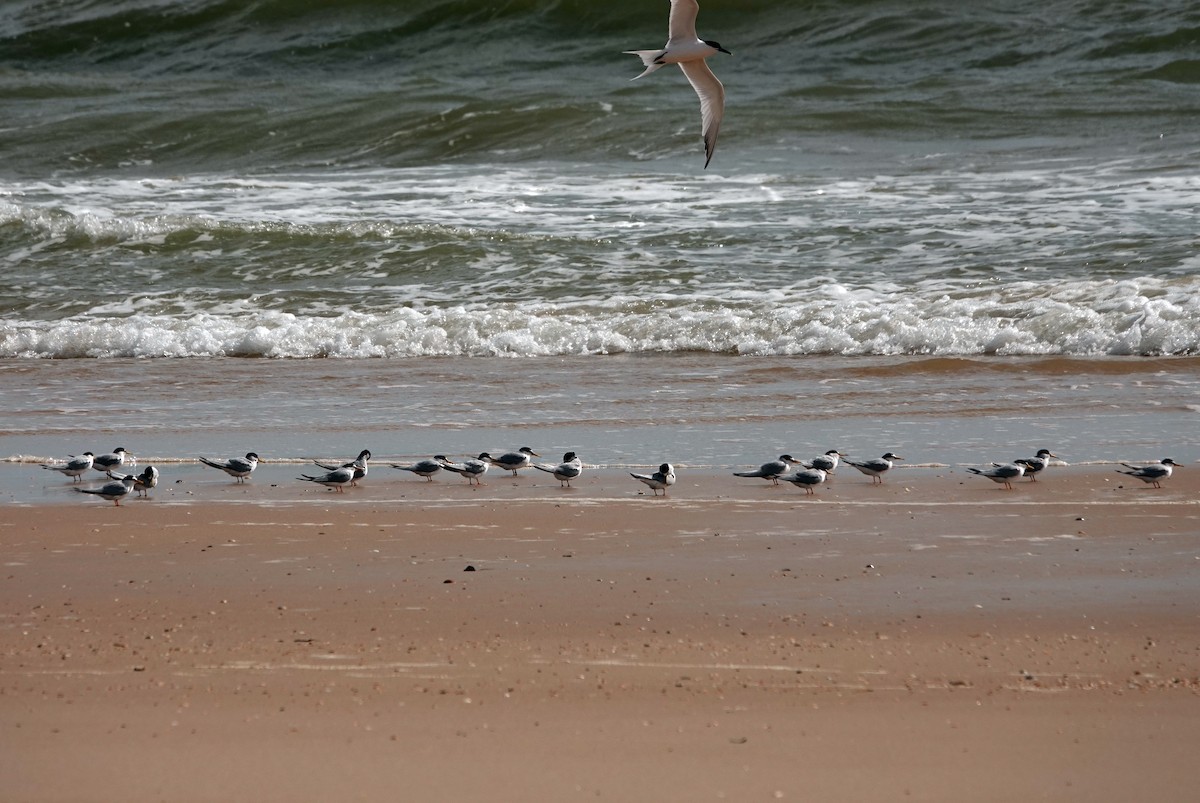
x=936, y=638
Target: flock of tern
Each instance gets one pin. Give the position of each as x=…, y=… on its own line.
x=805, y=474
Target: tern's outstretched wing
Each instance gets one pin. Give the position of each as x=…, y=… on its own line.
x=712, y=102
x=682, y=26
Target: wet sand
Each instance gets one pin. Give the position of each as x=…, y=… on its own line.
x=936, y=638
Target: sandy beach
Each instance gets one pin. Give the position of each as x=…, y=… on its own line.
x=300, y=230
x=936, y=638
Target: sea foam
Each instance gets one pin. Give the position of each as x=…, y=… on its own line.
x=1147, y=317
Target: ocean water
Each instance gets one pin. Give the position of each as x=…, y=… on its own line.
x=374, y=179
x=454, y=189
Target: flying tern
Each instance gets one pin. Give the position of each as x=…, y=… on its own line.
x=689, y=51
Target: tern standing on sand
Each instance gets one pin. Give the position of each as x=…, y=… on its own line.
x=512, y=461
x=1154, y=473
x=114, y=491
x=569, y=469
x=772, y=470
x=74, y=467
x=424, y=468
x=359, y=464
x=806, y=478
x=689, y=52
x=1003, y=473
x=237, y=467
x=110, y=462
x=876, y=467
x=659, y=480
x=473, y=469
x=335, y=479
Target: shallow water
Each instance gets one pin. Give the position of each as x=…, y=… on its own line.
x=702, y=411
x=283, y=179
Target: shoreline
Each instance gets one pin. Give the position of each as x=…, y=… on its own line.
x=928, y=639
x=275, y=483
x=693, y=410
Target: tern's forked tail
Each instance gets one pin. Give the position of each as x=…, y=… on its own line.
x=650, y=59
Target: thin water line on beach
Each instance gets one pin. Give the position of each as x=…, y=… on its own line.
x=701, y=502
x=763, y=505
x=265, y=666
